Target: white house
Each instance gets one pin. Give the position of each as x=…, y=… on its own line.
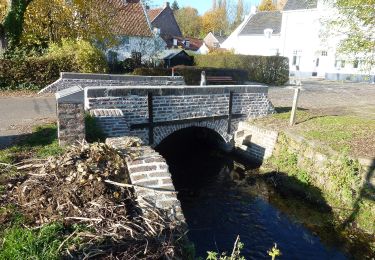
x=259, y=34
x=136, y=38
x=297, y=33
x=211, y=42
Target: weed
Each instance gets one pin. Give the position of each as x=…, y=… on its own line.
x=93, y=131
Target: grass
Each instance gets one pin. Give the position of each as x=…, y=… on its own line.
x=46, y=242
x=343, y=133
x=41, y=143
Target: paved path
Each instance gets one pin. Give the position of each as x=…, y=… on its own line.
x=330, y=97
x=18, y=115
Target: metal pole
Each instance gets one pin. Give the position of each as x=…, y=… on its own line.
x=295, y=106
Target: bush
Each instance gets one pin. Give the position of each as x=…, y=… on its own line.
x=87, y=57
x=33, y=73
x=272, y=70
x=192, y=75
x=38, y=72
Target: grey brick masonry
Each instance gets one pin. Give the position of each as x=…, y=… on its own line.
x=152, y=181
x=70, y=79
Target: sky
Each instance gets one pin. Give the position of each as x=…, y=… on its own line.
x=201, y=5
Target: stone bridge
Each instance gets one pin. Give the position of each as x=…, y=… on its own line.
x=152, y=113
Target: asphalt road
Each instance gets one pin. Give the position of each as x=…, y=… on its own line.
x=18, y=115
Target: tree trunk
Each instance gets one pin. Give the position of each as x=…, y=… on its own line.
x=12, y=27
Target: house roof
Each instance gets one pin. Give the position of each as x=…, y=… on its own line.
x=131, y=18
x=153, y=13
x=300, y=4
x=221, y=39
x=261, y=21
x=170, y=54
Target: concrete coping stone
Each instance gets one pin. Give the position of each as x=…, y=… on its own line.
x=70, y=95
x=118, y=91
x=92, y=76
x=106, y=112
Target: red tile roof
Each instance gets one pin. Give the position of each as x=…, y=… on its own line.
x=131, y=18
x=153, y=13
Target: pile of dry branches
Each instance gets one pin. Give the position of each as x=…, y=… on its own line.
x=80, y=187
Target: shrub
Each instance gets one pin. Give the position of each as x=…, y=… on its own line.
x=192, y=75
x=128, y=65
x=38, y=72
x=272, y=70
x=87, y=57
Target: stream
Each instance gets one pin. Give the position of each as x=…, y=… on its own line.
x=221, y=201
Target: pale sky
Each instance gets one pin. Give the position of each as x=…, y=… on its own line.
x=201, y=5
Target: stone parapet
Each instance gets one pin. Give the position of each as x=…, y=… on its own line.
x=71, y=123
x=70, y=79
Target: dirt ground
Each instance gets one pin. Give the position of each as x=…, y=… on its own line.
x=330, y=97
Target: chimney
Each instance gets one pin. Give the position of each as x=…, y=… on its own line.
x=253, y=9
x=166, y=4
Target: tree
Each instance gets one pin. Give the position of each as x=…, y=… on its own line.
x=53, y=20
x=239, y=13
x=175, y=6
x=189, y=21
x=215, y=21
x=267, y=5
x=13, y=21
x=354, y=24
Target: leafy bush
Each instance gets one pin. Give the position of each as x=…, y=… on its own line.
x=192, y=75
x=272, y=70
x=38, y=72
x=87, y=57
x=128, y=65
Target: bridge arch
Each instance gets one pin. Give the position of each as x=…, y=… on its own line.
x=220, y=127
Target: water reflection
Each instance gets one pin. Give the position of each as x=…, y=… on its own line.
x=217, y=208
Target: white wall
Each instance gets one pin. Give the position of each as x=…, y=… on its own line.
x=149, y=47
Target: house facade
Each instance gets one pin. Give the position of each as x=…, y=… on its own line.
x=134, y=32
x=164, y=24
x=259, y=34
x=298, y=33
x=211, y=42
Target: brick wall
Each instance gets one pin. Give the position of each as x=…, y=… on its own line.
x=176, y=103
x=71, y=123
x=255, y=142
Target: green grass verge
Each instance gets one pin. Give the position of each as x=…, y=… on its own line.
x=350, y=134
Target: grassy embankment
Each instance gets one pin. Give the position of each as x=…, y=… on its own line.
x=338, y=177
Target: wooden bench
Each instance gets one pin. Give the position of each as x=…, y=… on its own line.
x=220, y=79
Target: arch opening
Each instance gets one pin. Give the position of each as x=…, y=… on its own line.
x=195, y=157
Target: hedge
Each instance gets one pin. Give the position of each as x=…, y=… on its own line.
x=33, y=73
x=272, y=70
x=192, y=75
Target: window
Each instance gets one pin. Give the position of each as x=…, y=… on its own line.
x=174, y=42
x=324, y=53
x=355, y=64
x=187, y=43
x=125, y=40
x=342, y=64
x=216, y=45
x=317, y=62
x=137, y=57
x=294, y=60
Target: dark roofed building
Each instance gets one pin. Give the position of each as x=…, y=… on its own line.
x=163, y=20
x=300, y=4
x=262, y=21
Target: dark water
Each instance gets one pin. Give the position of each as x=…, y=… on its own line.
x=217, y=208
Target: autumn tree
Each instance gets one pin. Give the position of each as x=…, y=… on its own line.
x=53, y=20
x=189, y=21
x=239, y=13
x=267, y=5
x=12, y=23
x=215, y=21
x=354, y=25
